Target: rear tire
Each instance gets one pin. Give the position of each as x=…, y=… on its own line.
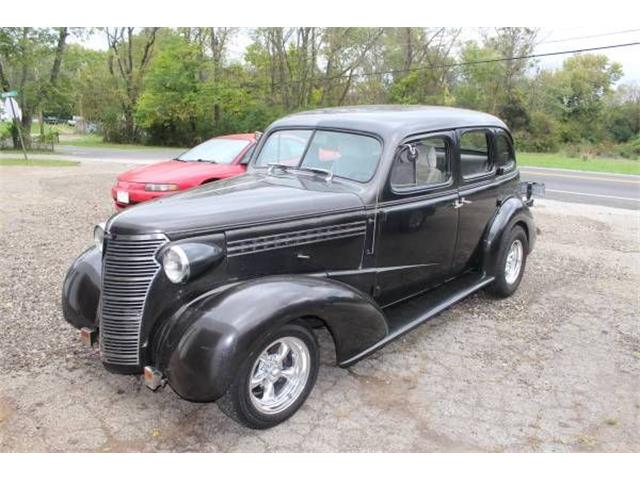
x=275, y=381
x=512, y=260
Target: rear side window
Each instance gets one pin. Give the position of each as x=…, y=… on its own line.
x=474, y=153
x=421, y=163
x=504, y=152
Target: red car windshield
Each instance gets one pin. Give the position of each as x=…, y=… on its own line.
x=216, y=150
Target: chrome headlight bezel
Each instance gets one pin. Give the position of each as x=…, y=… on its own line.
x=175, y=264
x=98, y=236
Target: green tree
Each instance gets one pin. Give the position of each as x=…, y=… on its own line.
x=130, y=55
x=583, y=84
x=30, y=62
x=172, y=105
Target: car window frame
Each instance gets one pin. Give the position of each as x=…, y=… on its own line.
x=489, y=134
x=428, y=188
x=315, y=129
x=497, y=133
x=247, y=155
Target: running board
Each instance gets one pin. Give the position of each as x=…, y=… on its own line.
x=407, y=315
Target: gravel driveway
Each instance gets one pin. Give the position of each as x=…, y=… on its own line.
x=556, y=367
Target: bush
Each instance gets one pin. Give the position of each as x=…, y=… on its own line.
x=5, y=134
x=541, y=135
x=631, y=149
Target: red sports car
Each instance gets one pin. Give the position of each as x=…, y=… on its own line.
x=218, y=158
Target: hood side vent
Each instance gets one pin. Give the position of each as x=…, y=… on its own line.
x=295, y=238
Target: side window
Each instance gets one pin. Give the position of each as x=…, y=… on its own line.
x=504, y=152
x=474, y=153
x=421, y=163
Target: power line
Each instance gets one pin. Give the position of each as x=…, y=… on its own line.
x=462, y=64
x=418, y=43
x=585, y=37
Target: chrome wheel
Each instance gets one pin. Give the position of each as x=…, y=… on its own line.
x=513, y=264
x=279, y=375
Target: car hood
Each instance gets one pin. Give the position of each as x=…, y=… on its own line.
x=244, y=200
x=175, y=171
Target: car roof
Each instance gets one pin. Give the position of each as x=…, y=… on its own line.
x=239, y=136
x=386, y=120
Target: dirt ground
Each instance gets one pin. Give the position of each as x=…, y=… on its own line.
x=556, y=367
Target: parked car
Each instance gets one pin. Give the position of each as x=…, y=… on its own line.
x=215, y=159
x=388, y=216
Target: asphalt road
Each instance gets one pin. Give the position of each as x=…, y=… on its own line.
x=609, y=190
x=133, y=155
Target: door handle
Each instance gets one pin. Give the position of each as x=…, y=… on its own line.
x=461, y=202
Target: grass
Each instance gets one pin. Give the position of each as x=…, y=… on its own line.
x=560, y=160
x=20, y=162
x=61, y=127
x=92, y=140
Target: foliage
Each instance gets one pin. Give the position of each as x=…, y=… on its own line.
x=630, y=149
x=165, y=86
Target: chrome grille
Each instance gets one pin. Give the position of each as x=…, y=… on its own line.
x=129, y=266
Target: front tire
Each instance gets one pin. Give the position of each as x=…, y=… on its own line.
x=511, y=263
x=274, y=382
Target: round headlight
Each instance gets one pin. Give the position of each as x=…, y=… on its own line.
x=175, y=264
x=98, y=236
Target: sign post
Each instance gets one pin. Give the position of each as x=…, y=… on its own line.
x=11, y=95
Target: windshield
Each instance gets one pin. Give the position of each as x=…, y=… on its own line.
x=346, y=155
x=216, y=150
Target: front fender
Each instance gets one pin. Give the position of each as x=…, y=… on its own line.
x=81, y=289
x=203, y=348
x=512, y=211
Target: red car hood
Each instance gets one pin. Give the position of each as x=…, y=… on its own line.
x=180, y=173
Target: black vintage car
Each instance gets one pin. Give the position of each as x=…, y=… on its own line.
x=366, y=221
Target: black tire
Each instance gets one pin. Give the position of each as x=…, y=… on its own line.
x=237, y=403
x=501, y=286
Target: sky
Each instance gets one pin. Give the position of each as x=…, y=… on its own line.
x=550, y=40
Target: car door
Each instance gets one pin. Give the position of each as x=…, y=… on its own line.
x=416, y=227
x=478, y=193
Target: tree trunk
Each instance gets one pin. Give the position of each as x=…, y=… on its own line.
x=216, y=117
x=4, y=82
x=57, y=61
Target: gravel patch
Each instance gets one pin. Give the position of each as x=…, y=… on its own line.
x=556, y=367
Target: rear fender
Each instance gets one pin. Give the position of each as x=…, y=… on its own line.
x=202, y=348
x=512, y=211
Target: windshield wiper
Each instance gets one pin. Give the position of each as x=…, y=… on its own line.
x=273, y=166
x=323, y=171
